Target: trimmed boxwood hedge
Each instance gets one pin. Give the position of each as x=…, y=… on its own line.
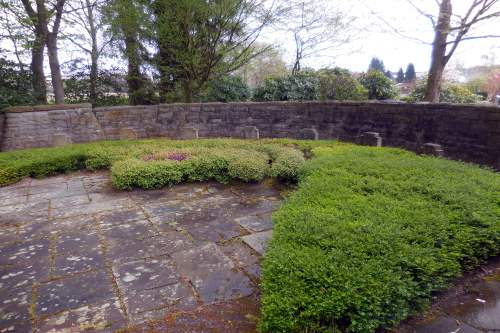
x=220, y=159
x=370, y=234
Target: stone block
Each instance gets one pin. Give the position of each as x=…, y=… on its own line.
x=433, y=149
x=308, y=134
x=128, y=134
x=61, y=140
x=250, y=132
x=188, y=133
x=370, y=139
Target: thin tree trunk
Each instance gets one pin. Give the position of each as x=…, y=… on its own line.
x=38, y=75
x=188, y=90
x=439, y=58
x=55, y=68
x=94, y=55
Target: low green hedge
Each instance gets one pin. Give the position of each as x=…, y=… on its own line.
x=370, y=234
x=219, y=159
x=222, y=165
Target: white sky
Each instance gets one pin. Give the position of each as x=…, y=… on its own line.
x=376, y=38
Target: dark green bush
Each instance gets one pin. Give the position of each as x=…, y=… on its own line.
x=228, y=88
x=15, y=84
x=379, y=86
x=338, y=84
x=370, y=235
x=303, y=86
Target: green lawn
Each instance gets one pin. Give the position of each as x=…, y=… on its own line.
x=363, y=242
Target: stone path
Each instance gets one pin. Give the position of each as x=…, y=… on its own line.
x=75, y=256
x=471, y=305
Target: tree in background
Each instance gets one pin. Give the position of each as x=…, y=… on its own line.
x=493, y=85
x=265, y=65
x=376, y=65
x=45, y=18
x=338, y=84
x=401, y=76
x=87, y=16
x=378, y=85
x=111, y=85
x=199, y=41
x=449, y=93
x=15, y=84
x=450, y=30
x=129, y=25
x=410, y=74
x=316, y=26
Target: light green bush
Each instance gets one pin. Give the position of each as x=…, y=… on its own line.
x=287, y=164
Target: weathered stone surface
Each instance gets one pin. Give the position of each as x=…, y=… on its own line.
x=258, y=241
x=212, y=274
x=84, y=257
x=101, y=317
x=250, y=132
x=73, y=292
x=370, y=139
x=308, y=134
x=466, y=132
x=256, y=222
x=433, y=149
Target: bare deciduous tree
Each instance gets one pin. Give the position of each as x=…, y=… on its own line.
x=86, y=16
x=450, y=29
x=316, y=27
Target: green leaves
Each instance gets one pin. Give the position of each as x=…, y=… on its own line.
x=370, y=234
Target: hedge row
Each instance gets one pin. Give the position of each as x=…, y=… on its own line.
x=220, y=159
x=370, y=234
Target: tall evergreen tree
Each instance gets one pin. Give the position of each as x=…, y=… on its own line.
x=388, y=74
x=401, y=76
x=410, y=74
x=376, y=65
x=200, y=40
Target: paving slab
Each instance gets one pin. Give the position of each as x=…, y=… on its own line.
x=258, y=241
x=73, y=292
x=212, y=274
x=256, y=223
x=85, y=257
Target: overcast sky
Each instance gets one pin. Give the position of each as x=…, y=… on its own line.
x=376, y=20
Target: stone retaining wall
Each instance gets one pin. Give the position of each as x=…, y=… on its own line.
x=470, y=133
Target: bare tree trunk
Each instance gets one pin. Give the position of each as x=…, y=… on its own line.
x=188, y=90
x=55, y=68
x=38, y=75
x=94, y=54
x=439, y=58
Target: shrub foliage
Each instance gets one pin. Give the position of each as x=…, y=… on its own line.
x=370, y=234
x=152, y=164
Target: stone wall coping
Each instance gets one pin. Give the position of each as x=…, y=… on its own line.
x=49, y=107
x=438, y=106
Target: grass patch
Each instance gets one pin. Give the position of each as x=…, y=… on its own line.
x=370, y=234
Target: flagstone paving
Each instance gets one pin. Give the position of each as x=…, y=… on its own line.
x=76, y=255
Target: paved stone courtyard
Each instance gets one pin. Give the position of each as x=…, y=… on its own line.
x=76, y=255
